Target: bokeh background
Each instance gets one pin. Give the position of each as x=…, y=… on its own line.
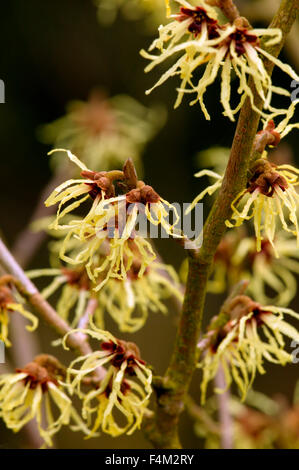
x=56, y=51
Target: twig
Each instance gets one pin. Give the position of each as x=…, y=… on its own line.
x=163, y=430
x=228, y=7
x=26, y=245
x=226, y=422
x=40, y=305
x=89, y=312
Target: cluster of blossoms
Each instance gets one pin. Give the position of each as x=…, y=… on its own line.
x=125, y=386
x=241, y=338
x=42, y=389
x=257, y=429
x=104, y=132
x=270, y=193
x=271, y=279
x=261, y=422
x=111, y=221
x=270, y=197
x=9, y=305
x=198, y=37
x=128, y=302
x=34, y=392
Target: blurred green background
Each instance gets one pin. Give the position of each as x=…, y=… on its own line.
x=53, y=52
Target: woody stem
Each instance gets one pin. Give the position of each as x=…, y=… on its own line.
x=162, y=431
x=42, y=308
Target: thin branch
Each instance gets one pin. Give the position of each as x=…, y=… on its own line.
x=40, y=305
x=228, y=8
x=163, y=431
x=225, y=418
x=91, y=307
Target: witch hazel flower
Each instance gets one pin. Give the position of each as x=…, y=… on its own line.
x=272, y=279
x=111, y=221
x=130, y=301
x=198, y=36
x=271, y=191
x=74, y=287
x=103, y=131
x=241, y=339
x=125, y=387
x=33, y=393
x=8, y=306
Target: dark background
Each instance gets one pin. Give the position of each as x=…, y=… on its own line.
x=55, y=51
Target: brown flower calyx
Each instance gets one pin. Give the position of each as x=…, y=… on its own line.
x=199, y=16
x=42, y=370
x=241, y=306
x=123, y=351
x=265, y=178
x=145, y=194
x=103, y=181
x=77, y=278
x=267, y=136
x=5, y=297
x=242, y=35
x=130, y=175
x=222, y=324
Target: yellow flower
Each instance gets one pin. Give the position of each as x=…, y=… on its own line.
x=125, y=387
x=104, y=132
x=109, y=228
x=31, y=393
x=127, y=301
x=208, y=190
x=98, y=186
x=225, y=273
x=7, y=307
x=271, y=191
x=271, y=279
x=196, y=34
x=266, y=272
x=75, y=293
x=130, y=301
x=248, y=335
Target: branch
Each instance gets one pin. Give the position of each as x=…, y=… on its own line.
x=226, y=422
x=43, y=309
x=228, y=8
x=163, y=431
